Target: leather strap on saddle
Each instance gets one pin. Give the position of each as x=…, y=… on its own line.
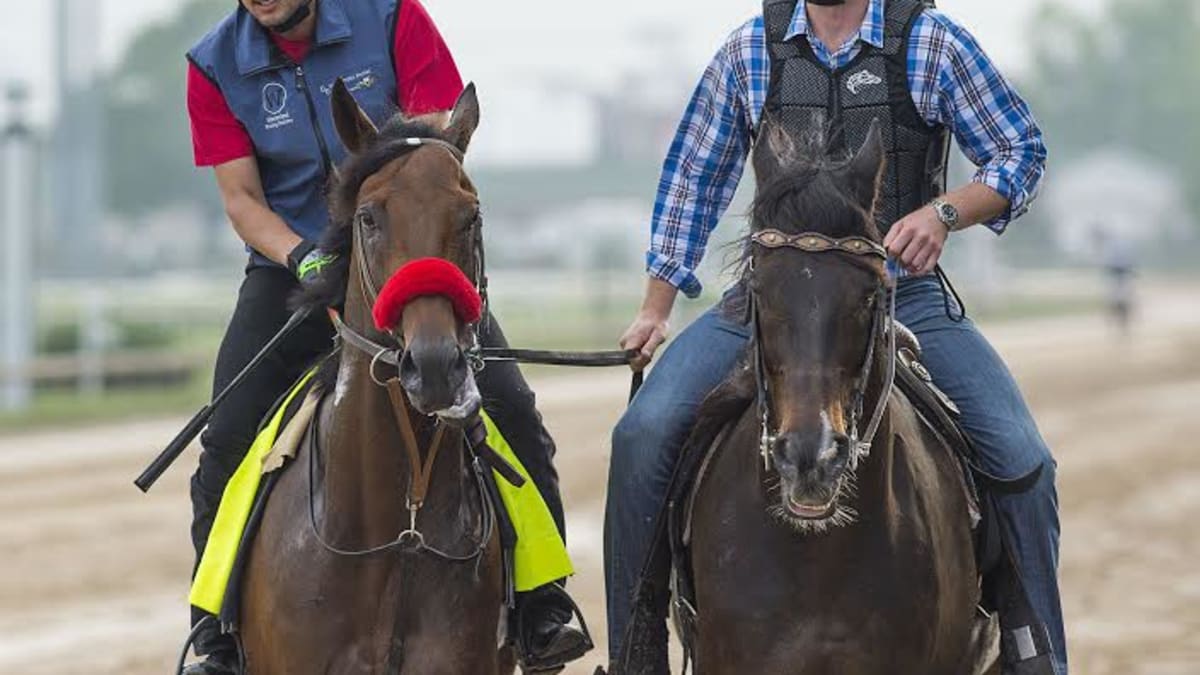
x=477, y=438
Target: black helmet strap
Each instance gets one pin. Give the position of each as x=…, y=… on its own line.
x=302, y=12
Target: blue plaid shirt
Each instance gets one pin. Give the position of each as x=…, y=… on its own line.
x=952, y=82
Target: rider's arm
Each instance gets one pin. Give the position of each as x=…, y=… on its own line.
x=699, y=178
x=220, y=141
x=702, y=168
x=993, y=125
x=246, y=205
x=955, y=84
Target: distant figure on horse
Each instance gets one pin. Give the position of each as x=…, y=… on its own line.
x=815, y=547
x=259, y=98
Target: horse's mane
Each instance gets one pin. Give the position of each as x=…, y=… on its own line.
x=805, y=194
x=329, y=288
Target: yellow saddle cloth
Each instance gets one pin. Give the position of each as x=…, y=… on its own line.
x=540, y=556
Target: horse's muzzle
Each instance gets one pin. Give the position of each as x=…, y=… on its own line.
x=437, y=378
x=812, y=469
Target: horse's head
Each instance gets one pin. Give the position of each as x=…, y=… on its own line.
x=406, y=213
x=815, y=278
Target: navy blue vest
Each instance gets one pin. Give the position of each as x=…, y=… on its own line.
x=285, y=107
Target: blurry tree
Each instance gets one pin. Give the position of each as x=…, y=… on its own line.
x=148, y=152
x=1126, y=78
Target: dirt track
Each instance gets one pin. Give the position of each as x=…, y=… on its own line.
x=94, y=574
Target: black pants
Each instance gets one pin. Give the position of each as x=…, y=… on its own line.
x=261, y=311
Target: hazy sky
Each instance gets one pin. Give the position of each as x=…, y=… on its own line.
x=503, y=38
x=511, y=48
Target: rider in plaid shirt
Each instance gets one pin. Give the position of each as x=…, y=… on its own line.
x=954, y=86
x=953, y=83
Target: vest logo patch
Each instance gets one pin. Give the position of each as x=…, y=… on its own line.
x=861, y=79
x=275, y=100
x=363, y=79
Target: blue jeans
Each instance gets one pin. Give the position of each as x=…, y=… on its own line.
x=647, y=440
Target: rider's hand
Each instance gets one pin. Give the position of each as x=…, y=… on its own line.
x=646, y=334
x=917, y=241
x=306, y=261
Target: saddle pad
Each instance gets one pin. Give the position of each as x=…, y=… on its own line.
x=539, y=556
x=220, y=553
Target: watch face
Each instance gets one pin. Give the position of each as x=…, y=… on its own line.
x=947, y=213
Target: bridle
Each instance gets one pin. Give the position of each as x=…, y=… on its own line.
x=883, y=319
x=421, y=470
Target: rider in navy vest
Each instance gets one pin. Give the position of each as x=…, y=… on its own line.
x=284, y=105
x=258, y=97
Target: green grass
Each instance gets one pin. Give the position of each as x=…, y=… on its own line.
x=69, y=408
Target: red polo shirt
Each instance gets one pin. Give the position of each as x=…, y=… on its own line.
x=427, y=80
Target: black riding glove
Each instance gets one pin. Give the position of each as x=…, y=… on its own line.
x=306, y=261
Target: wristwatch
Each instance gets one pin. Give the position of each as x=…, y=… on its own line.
x=946, y=213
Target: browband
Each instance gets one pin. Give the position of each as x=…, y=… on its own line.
x=815, y=242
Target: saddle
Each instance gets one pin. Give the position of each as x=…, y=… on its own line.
x=667, y=575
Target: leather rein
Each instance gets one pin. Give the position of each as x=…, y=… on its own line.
x=883, y=323
x=474, y=436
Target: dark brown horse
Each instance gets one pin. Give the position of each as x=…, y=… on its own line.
x=315, y=599
x=827, y=537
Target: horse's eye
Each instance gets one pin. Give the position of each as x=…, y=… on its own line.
x=473, y=221
x=366, y=219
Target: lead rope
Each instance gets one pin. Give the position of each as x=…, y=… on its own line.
x=948, y=291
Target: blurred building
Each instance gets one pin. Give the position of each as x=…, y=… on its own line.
x=1132, y=198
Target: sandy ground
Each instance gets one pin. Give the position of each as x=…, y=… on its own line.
x=94, y=573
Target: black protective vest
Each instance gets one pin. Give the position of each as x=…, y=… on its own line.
x=804, y=91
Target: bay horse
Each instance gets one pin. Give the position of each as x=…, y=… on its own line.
x=360, y=564
x=830, y=532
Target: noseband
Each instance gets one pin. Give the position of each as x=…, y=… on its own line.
x=883, y=320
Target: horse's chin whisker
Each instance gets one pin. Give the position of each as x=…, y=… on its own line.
x=843, y=515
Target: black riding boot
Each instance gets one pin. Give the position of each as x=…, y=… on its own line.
x=546, y=642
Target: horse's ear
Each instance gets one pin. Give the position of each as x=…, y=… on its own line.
x=775, y=149
x=464, y=120
x=356, y=130
x=865, y=169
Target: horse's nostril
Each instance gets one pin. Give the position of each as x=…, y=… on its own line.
x=410, y=374
x=816, y=453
